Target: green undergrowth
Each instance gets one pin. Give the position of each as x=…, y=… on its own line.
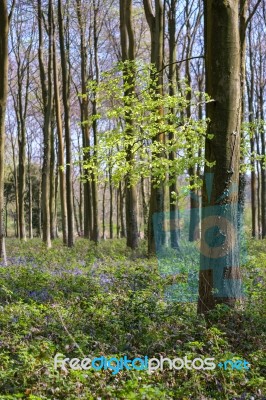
x=106, y=300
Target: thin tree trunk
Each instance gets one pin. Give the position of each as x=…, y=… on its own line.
x=250, y=92
x=242, y=178
x=117, y=214
x=47, y=101
x=94, y=186
x=121, y=204
x=144, y=207
x=84, y=125
x=15, y=181
x=64, y=47
x=40, y=208
x=4, y=25
x=174, y=223
x=258, y=168
x=56, y=196
x=75, y=211
x=103, y=210
x=128, y=54
x=262, y=140
x=22, y=176
x=111, y=205
x=81, y=204
x=52, y=182
x=6, y=216
x=30, y=192
x=61, y=155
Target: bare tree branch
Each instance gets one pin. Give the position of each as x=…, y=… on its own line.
x=252, y=12
x=180, y=61
x=11, y=11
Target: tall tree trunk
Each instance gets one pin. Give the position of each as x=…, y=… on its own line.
x=64, y=48
x=84, y=125
x=75, y=210
x=15, y=181
x=128, y=54
x=258, y=168
x=47, y=102
x=155, y=22
x=111, y=230
x=30, y=191
x=56, y=196
x=172, y=91
x=121, y=204
x=250, y=92
x=262, y=140
x=52, y=181
x=40, y=205
x=94, y=185
x=117, y=214
x=61, y=155
x=4, y=25
x=21, y=172
x=103, y=210
x=219, y=277
x=242, y=29
x=80, y=204
x=144, y=206
x=6, y=216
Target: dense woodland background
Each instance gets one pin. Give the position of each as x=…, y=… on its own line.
x=115, y=117
x=52, y=131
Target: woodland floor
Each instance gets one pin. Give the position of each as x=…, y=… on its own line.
x=107, y=301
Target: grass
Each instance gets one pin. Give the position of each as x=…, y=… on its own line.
x=108, y=301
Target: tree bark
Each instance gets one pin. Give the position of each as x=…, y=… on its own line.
x=250, y=93
x=61, y=151
x=47, y=105
x=174, y=225
x=30, y=191
x=121, y=204
x=155, y=22
x=52, y=181
x=145, y=207
x=94, y=185
x=111, y=230
x=13, y=144
x=4, y=26
x=65, y=89
x=262, y=140
x=103, y=210
x=219, y=277
x=84, y=124
x=128, y=55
